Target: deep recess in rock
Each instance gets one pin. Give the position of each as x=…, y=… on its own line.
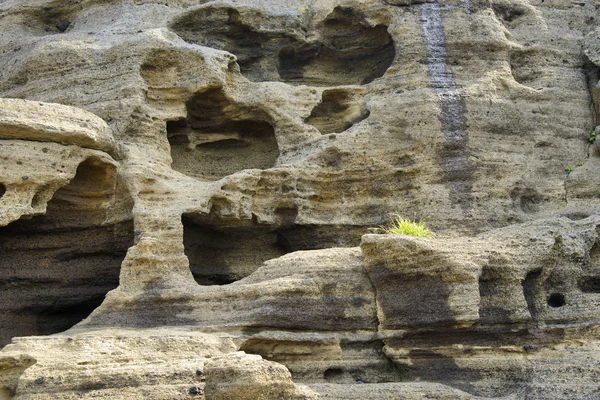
x=82, y=202
x=2, y=190
x=489, y=290
x=339, y=110
x=592, y=73
x=523, y=70
x=508, y=14
x=350, y=53
x=526, y=199
x=55, y=269
x=346, y=50
x=556, y=300
x=589, y=284
x=595, y=255
x=223, y=28
x=220, y=254
x=53, y=18
x=219, y=138
x=333, y=374
x=531, y=288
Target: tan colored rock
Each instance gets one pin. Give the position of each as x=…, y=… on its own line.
x=239, y=376
x=421, y=282
x=111, y=364
x=44, y=122
x=253, y=145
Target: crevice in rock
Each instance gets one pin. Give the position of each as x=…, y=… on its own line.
x=595, y=255
x=590, y=281
x=532, y=286
x=2, y=190
x=592, y=74
x=84, y=200
x=220, y=137
x=343, y=49
x=338, y=111
x=314, y=237
x=55, y=269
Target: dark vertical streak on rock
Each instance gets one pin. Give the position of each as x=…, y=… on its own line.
x=456, y=162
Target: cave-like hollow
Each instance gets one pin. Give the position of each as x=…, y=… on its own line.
x=55, y=269
x=343, y=49
x=349, y=53
x=219, y=138
x=221, y=253
x=338, y=110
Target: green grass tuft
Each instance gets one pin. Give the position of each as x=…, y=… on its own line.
x=404, y=226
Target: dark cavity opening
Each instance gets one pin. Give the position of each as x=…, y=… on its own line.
x=556, y=300
x=223, y=28
x=339, y=110
x=351, y=52
x=55, y=269
x=221, y=253
x=508, y=13
x=346, y=50
x=589, y=284
x=333, y=374
x=2, y=190
x=592, y=73
x=219, y=138
x=526, y=199
x=531, y=289
x=53, y=18
x=491, y=307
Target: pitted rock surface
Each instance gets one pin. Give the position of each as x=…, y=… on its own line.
x=188, y=191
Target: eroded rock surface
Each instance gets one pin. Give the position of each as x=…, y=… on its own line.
x=194, y=180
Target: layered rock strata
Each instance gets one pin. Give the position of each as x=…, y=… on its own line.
x=194, y=181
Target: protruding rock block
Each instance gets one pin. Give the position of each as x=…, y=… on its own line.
x=44, y=122
x=241, y=376
x=420, y=282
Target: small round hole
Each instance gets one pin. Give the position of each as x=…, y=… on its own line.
x=556, y=300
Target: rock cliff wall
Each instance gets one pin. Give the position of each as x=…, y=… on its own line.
x=187, y=188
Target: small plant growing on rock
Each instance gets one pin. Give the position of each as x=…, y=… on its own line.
x=569, y=169
x=592, y=138
x=404, y=226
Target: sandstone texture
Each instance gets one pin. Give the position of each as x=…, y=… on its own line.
x=188, y=191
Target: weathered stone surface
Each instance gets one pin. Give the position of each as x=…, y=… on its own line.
x=43, y=122
x=236, y=155
x=239, y=376
x=420, y=282
x=111, y=364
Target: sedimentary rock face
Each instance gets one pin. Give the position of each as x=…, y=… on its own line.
x=184, y=181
